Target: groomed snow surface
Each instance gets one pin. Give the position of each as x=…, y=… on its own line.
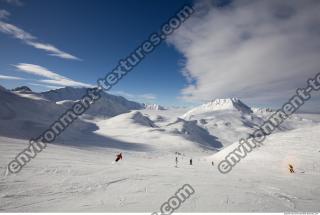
x=78, y=173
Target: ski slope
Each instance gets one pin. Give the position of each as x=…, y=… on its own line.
x=78, y=173
x=77, y=179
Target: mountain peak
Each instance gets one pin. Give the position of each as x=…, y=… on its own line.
x=224, y=101
x=226, y=104
x=234, y=104
x=23, y=89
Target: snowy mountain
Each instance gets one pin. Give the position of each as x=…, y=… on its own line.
x=233, y=104
x=262, y=111
x=217, y=123
x=154, y=107
x=72, y=93
x=231, y=119
x=227, y=119
x=25, y=114
x=107, y=106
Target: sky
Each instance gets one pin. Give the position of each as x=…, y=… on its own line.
x=259, y=51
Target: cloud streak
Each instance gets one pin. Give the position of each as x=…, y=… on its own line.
x=6, y=77
x=30, y=40
x=53, y=77
x=257, y=50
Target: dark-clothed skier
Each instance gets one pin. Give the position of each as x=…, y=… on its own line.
x=119, y=157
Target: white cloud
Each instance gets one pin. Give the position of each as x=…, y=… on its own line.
x=14, y=31
x=6, y=77
x=147, y=96
x=4, y=14
x=54, y=78
x=258, y=50
x=29, y=39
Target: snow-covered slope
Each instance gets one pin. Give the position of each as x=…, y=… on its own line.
x=192, y=131
x=73, y=179
x=159, y=136
x=132, y=118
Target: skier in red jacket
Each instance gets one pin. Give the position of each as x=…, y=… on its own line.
x=119, y=157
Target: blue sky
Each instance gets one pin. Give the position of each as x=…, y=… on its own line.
x=99, y=34
x=259, y=51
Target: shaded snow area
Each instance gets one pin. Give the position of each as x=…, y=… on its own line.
x=77, y=173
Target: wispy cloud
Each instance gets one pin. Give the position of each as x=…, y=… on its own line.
x=146, y=96
x=66, y=82
x=37, y=70
x=6, y=77
x=15, y=32
x=53, y=51
x=4, y=14
x=53, y=77
x=257, y=50
x=45, y=86
x=31, y=40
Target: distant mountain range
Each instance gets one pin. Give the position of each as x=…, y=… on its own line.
x=218, y=123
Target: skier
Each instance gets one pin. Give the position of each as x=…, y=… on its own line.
x=291, y=168
x=191, y=161
x=119, y=157
x=176, y=161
